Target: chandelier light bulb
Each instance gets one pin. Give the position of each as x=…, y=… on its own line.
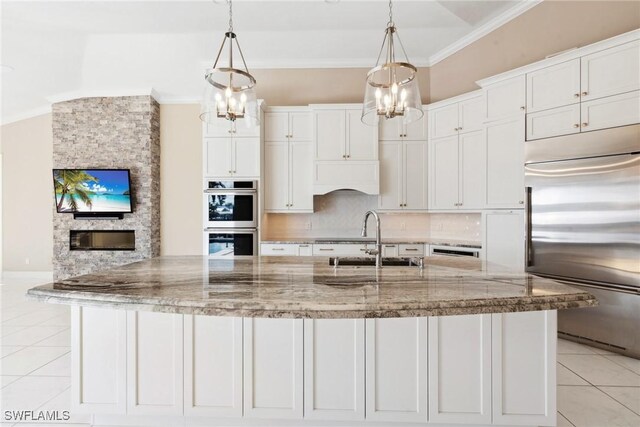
x=394, y=88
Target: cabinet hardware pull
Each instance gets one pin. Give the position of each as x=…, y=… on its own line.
x=585, y=93
x=344, y=156
x=576, y=125
x=389, y=246
x=348, y=156
x=585, y=124
x=303, y=246
x=576, y=95
x=278, y=249
x=459, y=128
x=411, y=249
x=521, y=202
x=522, y=108
x=229, y=171
x=325, y=249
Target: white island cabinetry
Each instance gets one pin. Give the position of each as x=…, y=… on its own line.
x=479, y=369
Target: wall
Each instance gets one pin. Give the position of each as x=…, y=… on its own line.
x=549, y=27
x=317, y=86
x=181, y=180
x=26, y=194
x=117, y=132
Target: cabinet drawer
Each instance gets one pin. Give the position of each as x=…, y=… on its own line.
x=348, y=249
x=411, y=250
x=305, y=250
x=554, y=122
x=267, y=249
x=389, y=251
x=612, y=111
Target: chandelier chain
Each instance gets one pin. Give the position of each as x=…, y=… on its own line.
x=230, y=16
x=390, y=14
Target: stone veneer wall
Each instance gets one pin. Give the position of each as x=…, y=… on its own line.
x=118, y=132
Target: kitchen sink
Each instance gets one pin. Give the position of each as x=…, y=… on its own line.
x=346, y=262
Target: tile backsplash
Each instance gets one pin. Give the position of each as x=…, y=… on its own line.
x=340, y=214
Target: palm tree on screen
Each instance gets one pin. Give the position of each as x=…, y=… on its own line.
x=71, y=183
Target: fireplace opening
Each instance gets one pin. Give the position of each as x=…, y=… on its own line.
x=102, y=240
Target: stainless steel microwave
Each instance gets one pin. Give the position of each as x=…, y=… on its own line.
x=231, y=204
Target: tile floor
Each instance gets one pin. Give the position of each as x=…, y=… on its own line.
x=595, y=387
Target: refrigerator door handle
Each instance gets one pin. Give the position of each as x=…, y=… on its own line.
x=528, y=251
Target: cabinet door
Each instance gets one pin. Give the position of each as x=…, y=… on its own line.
x=611, y=71
x=618, y=110
x=443, y=121
x=218, y=157
x=330, y=132
x=246, y=157
x=212, y=366
x=334, y=369
x=524, y=352
x=471, y=114
x=415, y=175
x=505, y=163
x=554, y=86
x=391, y=176
x=460, y=369
x=555, y=122
x=278, y=249
x=473, y=170
x=154, y=363
x=276, y=126
x=300, y=126
x=504, y=238
x=276, y=176
x=301, y=170
x=98, y=361
x=390, y=129
x=390, y=251
x=396, y=354
x=443, y=173
x=224, y=128
x=417, y=130
x=273, y=351
x=506, y=98
x=362, y=140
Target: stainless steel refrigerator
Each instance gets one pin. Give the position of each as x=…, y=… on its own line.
x=583, y=227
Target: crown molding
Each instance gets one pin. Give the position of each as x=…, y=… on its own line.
x=482, y=31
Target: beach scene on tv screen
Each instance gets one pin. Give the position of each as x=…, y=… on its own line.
x=91, y=190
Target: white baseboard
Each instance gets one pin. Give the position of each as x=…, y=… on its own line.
x=39, y=275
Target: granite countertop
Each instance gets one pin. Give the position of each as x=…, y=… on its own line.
x=308, y=287
x=388, y=241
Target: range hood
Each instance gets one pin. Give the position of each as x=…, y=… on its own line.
x=363, y=176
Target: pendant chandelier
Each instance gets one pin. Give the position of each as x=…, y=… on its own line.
x=229, y=92
x=392, y=86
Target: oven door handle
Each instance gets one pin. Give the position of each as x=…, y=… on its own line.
x=223, y=191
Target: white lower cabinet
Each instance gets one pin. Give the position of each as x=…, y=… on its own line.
x=524, y=368
x=334, y=369
x=465, y=370
x=460, y=369
x=396, y=354
x=213, y=366
x=273, y=374
x=98, y=358
x=154, y=363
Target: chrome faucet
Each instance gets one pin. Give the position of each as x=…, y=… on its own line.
x=378, y=250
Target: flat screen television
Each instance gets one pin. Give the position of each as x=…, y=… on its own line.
x=93, y=191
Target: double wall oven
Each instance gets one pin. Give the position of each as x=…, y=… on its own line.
x=231, y=217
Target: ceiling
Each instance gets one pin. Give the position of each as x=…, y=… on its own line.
x=58, y=49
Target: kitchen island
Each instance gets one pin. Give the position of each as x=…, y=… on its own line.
x=291, y=341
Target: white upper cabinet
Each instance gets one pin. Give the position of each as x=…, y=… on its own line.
x=457, y=172
x=280, y=125
x=300, y=176
x=467, y=115
x=330, y=131
x=611, y=71
x=505, y=163
x=232, y=157
x=362, y=140
x=505, y=99
x=403, y=175
x=396, y=129
x=555, y=122
x=554, y=86
x=612, y=111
